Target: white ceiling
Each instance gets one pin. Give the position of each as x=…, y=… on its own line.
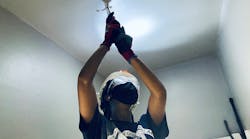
x=174, y=30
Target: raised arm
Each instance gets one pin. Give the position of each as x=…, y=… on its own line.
x=86, y=92
x=157, y=99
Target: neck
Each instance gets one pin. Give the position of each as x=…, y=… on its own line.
x=120, y=115
x=121, y=112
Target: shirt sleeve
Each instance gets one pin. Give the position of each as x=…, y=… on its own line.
x=160, y=131
x=91, y=130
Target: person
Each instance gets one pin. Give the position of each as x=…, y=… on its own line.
x=119, y=94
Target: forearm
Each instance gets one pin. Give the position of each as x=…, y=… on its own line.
x=86, y=92
x=154, y=85
x=157, y=99
x=90, y=68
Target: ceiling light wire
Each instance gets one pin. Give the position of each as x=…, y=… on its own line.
x=107, y=7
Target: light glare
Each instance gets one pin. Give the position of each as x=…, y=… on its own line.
x=138, y=27
x=135, y=28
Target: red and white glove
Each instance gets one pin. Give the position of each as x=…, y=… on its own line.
x=123, y=43
x=112, y=30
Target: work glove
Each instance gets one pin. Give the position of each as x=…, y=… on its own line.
x=123, y=43
x=112, y=29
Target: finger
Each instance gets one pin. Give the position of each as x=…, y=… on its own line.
x=123, y=30
x=110, y=17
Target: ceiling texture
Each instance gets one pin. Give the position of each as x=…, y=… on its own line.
x=165, y=32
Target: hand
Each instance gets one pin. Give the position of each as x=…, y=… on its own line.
x=112, y=30
x=123, y=43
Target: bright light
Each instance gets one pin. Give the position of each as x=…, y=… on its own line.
x=135, y=28
x=138, y=27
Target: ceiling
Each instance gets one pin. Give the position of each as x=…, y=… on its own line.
x=165, y=32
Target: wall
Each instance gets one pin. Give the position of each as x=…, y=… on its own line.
x=197, y=99
x=234, y=53
x=237, y=135
x=38, y=85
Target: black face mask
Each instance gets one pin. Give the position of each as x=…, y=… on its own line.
x=125, y=93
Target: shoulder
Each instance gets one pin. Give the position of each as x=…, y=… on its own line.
x=90, y=130
x=99, y=127
x=159, y=131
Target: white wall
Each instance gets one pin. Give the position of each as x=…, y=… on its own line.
x=237, y=135
x=38, y=85
x=234, y=53
x=197, y=99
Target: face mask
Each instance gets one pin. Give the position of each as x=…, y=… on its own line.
x=125, y=93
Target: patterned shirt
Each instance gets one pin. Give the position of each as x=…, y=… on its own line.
x=102, y=128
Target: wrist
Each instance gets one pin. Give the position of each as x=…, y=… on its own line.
x=104, y=47
x=128, y=55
